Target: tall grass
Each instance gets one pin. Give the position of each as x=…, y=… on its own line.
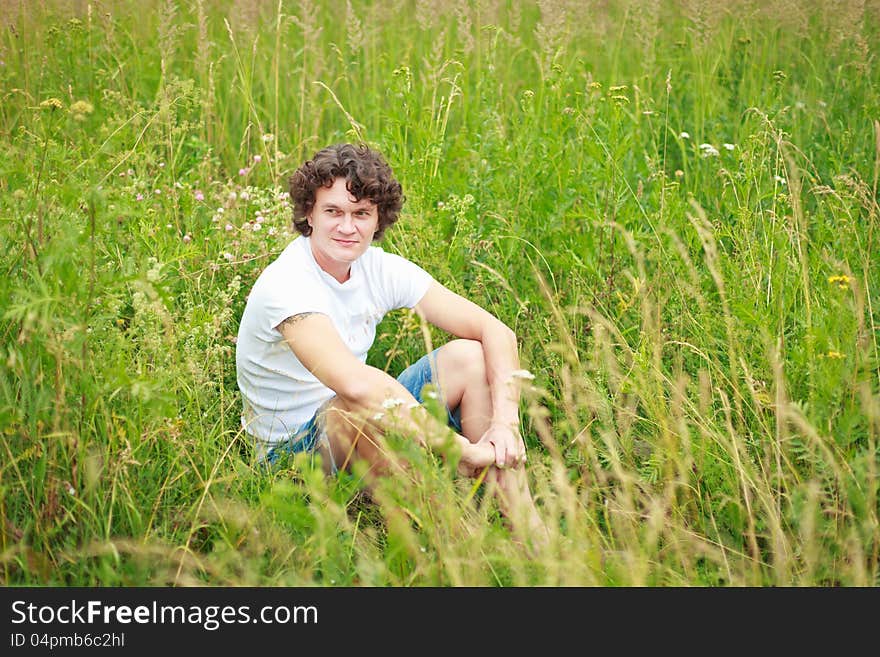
x=673, y=204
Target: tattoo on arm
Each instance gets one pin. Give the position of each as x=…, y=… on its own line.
x=293, y=319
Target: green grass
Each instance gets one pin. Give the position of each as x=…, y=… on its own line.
x=702, y=324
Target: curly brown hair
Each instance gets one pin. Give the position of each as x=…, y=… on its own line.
x=366, y=175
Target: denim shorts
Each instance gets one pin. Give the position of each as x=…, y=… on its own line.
x=309, y=436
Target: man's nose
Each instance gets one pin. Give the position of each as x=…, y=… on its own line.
x=347, y=223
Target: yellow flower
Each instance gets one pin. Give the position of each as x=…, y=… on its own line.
x=80, y=109
x=835, y=355
x=842, y=281
x=52, y=104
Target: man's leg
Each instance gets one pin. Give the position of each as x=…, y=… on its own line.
x=462, y=378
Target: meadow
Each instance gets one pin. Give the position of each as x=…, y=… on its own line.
x=672, y=203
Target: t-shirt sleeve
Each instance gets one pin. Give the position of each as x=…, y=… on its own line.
x=280, y=299
x=404, y=283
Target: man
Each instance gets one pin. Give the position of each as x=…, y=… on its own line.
x=311, y=318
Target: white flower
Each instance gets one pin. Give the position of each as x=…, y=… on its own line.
x=244, y=195
x=729, y=147
x=228, y=256
x=392, y=402
x=708, y=150
x=268, y=138
x=522, y=374
x=780, y=180
x=256, y=226
x=431, y=394
x=378, y=416
x=684, y=135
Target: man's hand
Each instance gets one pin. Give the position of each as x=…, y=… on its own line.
x=475, y=457
x=510, y=450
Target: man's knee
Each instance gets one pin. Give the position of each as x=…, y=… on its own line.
x=464, y=357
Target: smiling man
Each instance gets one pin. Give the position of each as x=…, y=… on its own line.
x=311, y=319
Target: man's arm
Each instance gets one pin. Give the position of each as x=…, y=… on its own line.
x=465, y=319
x=320, y=349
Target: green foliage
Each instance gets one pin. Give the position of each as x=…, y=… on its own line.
x=675, y=211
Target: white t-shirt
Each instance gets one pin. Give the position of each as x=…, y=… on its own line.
x=278, y=392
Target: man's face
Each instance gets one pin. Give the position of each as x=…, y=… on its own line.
x=342, y=227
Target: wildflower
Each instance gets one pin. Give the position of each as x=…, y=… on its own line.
x=780, y=180
x=178, y=184
x=267, y=138
x=256, y=226
x=616, y=88
x=139, y=197
x=232, y=196
x=229, y=227
x=684, y=135
x=198, y=195
x=271, y=231
x=52, y=104
x=80, y=109
x=392, y=402
x=708, y=150
x=157, y=192
x=431, y=394
x=835, y=355
x=187, y=238
x=228, y=256
x=161, y=165
x=244, y=195
x=729, y=147
x=70, y=489
x=679, y=173
x=522, y=374
x=378, y=416
x=842, y=281
x=244, y=171
x=259, y=218
x=257, y=159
